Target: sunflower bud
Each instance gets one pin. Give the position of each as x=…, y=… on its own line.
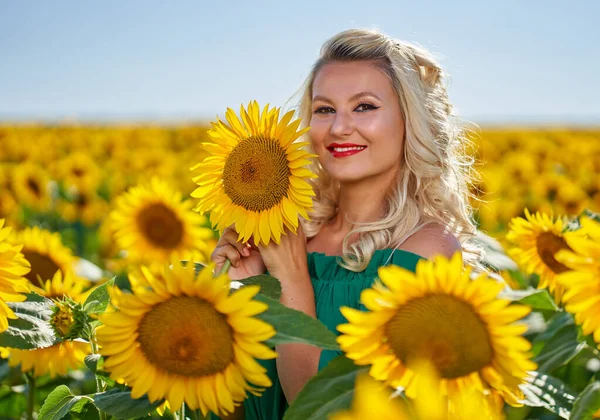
x=68, y=318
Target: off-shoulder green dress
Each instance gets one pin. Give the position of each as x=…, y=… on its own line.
x=334, y=287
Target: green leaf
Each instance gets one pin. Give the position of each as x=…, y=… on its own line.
x=269, y=285
x=92, y=361
x=97, y=301
x=329, y=391
x=587, y=403
x=549, y=392
x=58, y=404
x=120, y=405
x=536, y=298
x=295, y=327
x=556, y=323
x=84, y=411
x=560, y=349
x=31, y=330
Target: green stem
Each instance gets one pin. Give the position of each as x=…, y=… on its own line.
x=30, y=395
x=80, y=238
x=181, y=413
x=100, y=385
x=225, y=268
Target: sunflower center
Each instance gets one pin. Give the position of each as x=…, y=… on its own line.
x=161, y=226
x=256, y=175
x=34, y=187
x=186, y=336
x=549, y=244
x=41, y=265
x=444, y=330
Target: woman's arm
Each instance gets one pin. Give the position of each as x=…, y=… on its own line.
x=296, y=363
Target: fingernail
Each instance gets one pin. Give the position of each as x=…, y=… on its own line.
x=246, y=252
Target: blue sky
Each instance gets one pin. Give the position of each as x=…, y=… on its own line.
x=510, y=61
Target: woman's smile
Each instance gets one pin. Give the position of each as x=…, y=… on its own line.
x=340, y=150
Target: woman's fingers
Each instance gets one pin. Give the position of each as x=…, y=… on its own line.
x=230, y=236
x=223, y=253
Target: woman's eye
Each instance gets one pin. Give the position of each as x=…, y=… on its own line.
x=365, y=107
x=323, y=110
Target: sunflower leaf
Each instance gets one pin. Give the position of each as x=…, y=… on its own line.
x=58, y=403
x=269, y=286
x=535, y=298
x=31, y=330
x=120, y=405
x=560, y=349
x=92, y=361
x=295, y=327
x=329, y=391
x=97, y=301
x=549, y=392
x=587, y=403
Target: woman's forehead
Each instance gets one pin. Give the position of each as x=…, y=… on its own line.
x=347, y=80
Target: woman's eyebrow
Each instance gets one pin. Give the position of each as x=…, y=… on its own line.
x=352, y=98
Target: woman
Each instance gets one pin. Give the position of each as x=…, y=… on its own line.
x=392, y=187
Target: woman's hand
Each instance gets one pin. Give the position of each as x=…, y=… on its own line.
x=288, y=258
x=245, y=260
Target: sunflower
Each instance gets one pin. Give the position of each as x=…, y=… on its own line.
x=439, y=314
x=78, y=170
x=205, y=358
x=31, y=185
x=255, y=175
x=45, y=252
x=88, y=207
x=61, y=357
x=374, y=400
x=153, y=224
x=582, y=296
x=13, y=266
x=536, y=240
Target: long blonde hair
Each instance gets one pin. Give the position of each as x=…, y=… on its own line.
x=434, y=177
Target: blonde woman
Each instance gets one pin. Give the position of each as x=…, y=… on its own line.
x=392, y=189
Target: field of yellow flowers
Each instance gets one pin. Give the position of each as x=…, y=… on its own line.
x=80, y=205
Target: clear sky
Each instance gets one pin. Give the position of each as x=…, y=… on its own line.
x=115, y=60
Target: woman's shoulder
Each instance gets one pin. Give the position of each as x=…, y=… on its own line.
x=432, y=239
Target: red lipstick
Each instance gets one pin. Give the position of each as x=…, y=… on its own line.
x=340, y=150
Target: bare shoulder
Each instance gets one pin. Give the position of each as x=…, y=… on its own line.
x=433, y=239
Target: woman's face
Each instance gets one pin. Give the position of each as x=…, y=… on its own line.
x=357, y=128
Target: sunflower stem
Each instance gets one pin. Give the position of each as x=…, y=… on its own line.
x=100, y=385
x=80, y=238
x=181, y=414
x=225, y=268
x=30, y=395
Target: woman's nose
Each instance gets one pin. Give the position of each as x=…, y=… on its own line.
x=342, y=125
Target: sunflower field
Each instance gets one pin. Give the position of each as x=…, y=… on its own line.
x=111, y=309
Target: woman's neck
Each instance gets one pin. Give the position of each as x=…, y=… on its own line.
x=360, y=202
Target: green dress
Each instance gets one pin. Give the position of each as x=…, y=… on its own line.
x=334, y=287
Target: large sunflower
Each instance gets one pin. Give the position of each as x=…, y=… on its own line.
x=439, y=314
x=153, y=224
x=582, y=296
x=186, y=338
x=536, y=240
x=255, y=174
x=45, y=252
x=13, y=266
x=31, y=185
x=62, y=357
